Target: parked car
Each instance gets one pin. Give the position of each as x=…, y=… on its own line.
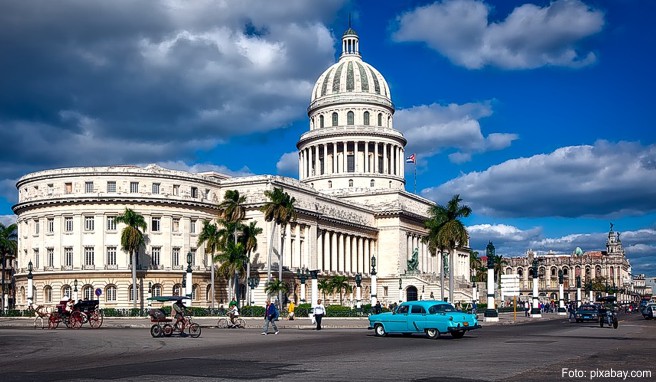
x=426, y=316
x=587, y=312
x=649, y=311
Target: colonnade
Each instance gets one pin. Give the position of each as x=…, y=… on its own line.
x=369, y=157
x=340, y=252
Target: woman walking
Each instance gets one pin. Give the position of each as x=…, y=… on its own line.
x=319, y=312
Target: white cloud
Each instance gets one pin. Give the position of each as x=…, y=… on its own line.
x=433, y=128
x=7, y=219
x=603, y=180
x=529, y=37
x=288, y=164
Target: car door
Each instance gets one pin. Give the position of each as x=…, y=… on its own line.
x=416, y=319
x=398, y=321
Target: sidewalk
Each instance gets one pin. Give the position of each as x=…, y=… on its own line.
x=302, y=323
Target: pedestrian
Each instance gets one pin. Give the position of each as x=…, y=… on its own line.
x=319, y=312
x=290, y=311
x=474, y=307
x=377, y=308
x=432, y=296
x=270, y=316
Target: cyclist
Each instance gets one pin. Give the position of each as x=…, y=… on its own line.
x=179, y=309
x=233, y=312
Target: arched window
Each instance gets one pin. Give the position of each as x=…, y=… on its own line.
x=47, y=294
x=366, y=118
x=372, y=183
x=350, y=118
x=335, y=119
x=330, y=184
x=21, y=294
x=87, y=292
x=380, y=119
x=131, y=295
x=66, y=292
x=321, y=121
x=110, y=293
x=157, y=290
x=177, y=290
x=194, y=292
x=208, y=293
x=350, y=182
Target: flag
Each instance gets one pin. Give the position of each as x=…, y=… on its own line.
x=411, y=159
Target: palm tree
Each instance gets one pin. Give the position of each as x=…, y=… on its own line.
x=232, y=259
x=325, y=286
x=248, y=237
x=474, y=265
x=451, y=233
x=434, y=224
x=340, y=284
x=281, y=211
x=276, y=287
x=8, y=248
x=499, y=263
x=131, y=240
x=209, y=236
x=232, y=207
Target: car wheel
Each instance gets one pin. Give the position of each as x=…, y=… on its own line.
x=380, y=330
x=432, y=333
x=458, y=334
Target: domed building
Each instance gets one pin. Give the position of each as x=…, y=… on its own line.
x=354, y=215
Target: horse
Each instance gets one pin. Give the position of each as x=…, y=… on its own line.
x=40, y=312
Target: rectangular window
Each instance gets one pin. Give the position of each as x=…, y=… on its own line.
x=110, y=293
x=175, y=257
x=192, y=226
x=51, y=187
x=176, y=189
x=50, y=225
x=68, y=224
x=155, y=224
x=68, y=188
x=111, y=255
x=156, y=255
x=88, y=187
x=175, y=226
x=50, y=261
x=193, y=256
x=350, y=163
x=36, y=258
x=88, y=256
x=68, y=256
x=111, y=223
x=47, y=294
x=88, y=223
x=155, y=188
x=36, y=227
x=111, y=186
x=194, y=192
x=134, y=187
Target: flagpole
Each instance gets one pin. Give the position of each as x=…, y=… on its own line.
x=415, y=176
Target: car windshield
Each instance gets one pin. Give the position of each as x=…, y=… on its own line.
x=441, y=308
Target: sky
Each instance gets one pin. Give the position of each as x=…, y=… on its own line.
x=537, y=113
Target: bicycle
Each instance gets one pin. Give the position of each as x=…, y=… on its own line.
x=186, y=325
x=224, y=323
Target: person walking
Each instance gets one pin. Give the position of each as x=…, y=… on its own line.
x=290, y=310
x=270, y=316
x=319, y=312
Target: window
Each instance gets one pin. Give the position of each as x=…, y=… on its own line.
x=50, y=188
x=87, y=292
x=88, y=187
x=193, y=256
x=111, y=255
x=156, y=255
x=335, y=119
x=68, y=224
x=47, y=293
x=350, y=163
x=321, y=123
x=403, y=309
x=175, y=225
x=155, y=188
x=176, y=189
x=194, y=192
x=418, y=309
x=111, y=223
x=155, y=224
x=36, y=258
x=68, y=188
x=110, y=293
x=157, y=290
x=50, y=225
x=111, y=186
x=68, y=256
x=194, y=292
x=88, y=223
x=66, y=292
x=134, y=187
x=366, y=118
x=350, y=182
x=88, y=256
x=36, y=227
x=192, y=228
x=50, y=257
x=177, y=290
x=175, y=256
x=131, y=293
x=372, y=183
x=380, y=119
x=330, y=184
x=350, y=118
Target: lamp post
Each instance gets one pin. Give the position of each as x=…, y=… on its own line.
x=252, y=283
x=30, y=284
x=374, y=296
x=302, y=274
x=535, y=309
x=150, y=293
x=315, y=287
x=561, y=301
x=578, y=291
x=358, y=292
x=400, y=290
x=75, y=296
x=189, y=286
x=491, y=314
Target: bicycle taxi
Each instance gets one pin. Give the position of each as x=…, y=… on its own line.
x=165, y=326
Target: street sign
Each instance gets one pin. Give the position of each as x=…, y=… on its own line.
x=509, y=285
x=98, y=292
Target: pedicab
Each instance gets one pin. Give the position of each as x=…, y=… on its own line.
x=164, y=326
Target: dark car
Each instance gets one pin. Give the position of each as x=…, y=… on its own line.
x=649, y=311
x=587, y=312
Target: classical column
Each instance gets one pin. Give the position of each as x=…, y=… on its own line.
x=315, y=287
x=376, y=170
x=300, y=164
x=345, y=150
x=367, y=165
x=333, y=252
x=535, y=311
x=385, y=164
x=326, y=253
x=347, y=253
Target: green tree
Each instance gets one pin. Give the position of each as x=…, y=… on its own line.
x=232, y=259
x=499, y=263
x=232, y=207
x=474, y=265
x=276, y=287
x=8, y=248
x=340, y=284
x=248, y=238
x=132, y=238
x=209, y=236
x=451, y=233
x=280, y=210
x=324, y=286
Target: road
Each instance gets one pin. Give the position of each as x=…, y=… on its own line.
x=528, y=352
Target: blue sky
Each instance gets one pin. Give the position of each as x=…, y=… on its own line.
x=539, y=114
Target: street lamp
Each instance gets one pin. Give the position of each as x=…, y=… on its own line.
x=252, y=283
x=358, y=292
x=189, y=285
x=75, y=296
x=30, y=285
x=374, y=296
x=400, y=290
x=491, y=313
x=302, y=273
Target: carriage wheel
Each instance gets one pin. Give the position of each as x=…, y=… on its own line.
x=96, y=319
x=194, y=330
x=168, y=330
x=156, y=331
x=76, y=320
x=53, y=321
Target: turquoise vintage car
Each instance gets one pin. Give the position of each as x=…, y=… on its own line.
x=426, y=316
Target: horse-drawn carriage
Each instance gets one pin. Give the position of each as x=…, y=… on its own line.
x=164, y=326
x=75, y=315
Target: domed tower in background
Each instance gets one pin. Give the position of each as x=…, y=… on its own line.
x=352, y=146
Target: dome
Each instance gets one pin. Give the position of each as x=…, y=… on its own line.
x=350, y=77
